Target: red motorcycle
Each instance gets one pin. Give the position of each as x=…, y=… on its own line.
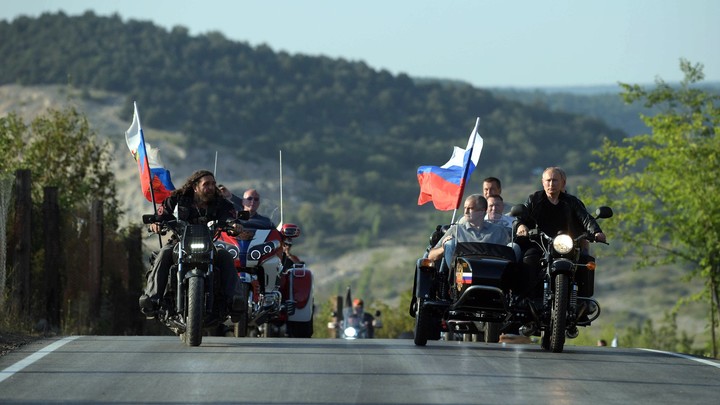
x=280, y=296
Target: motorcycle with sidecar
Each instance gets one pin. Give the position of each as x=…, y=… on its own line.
x=472, y=294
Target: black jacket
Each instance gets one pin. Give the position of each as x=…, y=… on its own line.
x=220, y=209
x=568, y=216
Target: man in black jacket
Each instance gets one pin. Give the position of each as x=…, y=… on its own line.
x=552, y=210
x=198, y=201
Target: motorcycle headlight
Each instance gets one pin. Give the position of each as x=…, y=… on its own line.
x=197, y=239
x=563, y=244
x=350, y=332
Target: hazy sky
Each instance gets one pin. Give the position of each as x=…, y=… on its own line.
x=500, y=43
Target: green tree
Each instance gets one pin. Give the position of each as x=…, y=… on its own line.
x=63, y=152
x=663, y=186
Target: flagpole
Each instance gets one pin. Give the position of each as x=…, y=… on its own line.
x=147, y=164
x=466, y=168
x=281, y=191
x=215, y=169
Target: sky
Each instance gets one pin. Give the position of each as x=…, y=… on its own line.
x=500, y=43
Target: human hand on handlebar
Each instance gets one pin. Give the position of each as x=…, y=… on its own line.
x=522, y=230
x=236, y=229
x=155, y=227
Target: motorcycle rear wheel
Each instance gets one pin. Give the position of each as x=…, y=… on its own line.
x=300, y=329
x=492, y=332
x=195, y=309
x=558, y=321
x=241, y=326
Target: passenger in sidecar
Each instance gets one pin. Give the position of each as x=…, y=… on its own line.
x=461, y=283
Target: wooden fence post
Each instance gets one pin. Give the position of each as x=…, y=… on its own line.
x=95, y=255
x=51, y=235
x=22, y=246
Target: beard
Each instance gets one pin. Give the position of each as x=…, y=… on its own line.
x=206, y=198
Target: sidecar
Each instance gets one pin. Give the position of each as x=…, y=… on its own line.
x=467, y=297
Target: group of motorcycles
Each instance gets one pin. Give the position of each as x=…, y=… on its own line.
x=470, y=297
x=279, y=296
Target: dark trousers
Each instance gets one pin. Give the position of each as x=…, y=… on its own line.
x=158, y=276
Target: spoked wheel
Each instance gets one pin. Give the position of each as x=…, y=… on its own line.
x=195, y=309
x=553, y=338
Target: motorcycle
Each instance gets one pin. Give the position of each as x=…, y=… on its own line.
x=190, y=303
x=357, y=326
x=472, y=295
x=280, y=297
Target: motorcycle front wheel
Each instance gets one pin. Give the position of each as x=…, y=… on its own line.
x=422, y=324
x=195, y=308
x=553, y=338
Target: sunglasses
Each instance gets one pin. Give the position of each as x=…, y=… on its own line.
x=252, y=198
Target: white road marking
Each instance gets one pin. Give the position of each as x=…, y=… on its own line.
x=10, y=371
x=685, y=356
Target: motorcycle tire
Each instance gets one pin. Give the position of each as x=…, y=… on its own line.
x=300, y=329
x=241, y=326
x=492, y=332
x=422, y=325
x=195, y=308
x=558, y=318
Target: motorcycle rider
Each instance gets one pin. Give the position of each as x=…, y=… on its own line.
x=367, y=320
x=552, y=210
x=495, y=209
x=289, y=259
x=198, y=201
x=251, y=202
x=471, y=228
x=491, y=186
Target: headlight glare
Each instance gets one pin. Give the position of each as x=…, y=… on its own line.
x=563, y=244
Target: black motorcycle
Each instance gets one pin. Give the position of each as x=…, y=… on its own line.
x=472, y=294
x=190, y=302
x=568, y=279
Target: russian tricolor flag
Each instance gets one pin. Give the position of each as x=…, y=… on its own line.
x=443, y=185
x=149, y=163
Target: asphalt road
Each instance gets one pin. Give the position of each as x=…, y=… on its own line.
x=155, y=369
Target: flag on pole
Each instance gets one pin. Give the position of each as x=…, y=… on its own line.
x=152, y=170
x=444, y=185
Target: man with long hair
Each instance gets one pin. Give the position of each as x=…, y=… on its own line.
x=198, y=201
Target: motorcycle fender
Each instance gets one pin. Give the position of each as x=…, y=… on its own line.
x=562, y=266
x=424, y=281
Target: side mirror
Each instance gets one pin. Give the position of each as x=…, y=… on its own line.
x=519, y=210
x=290, y=230
x=604, y=212
x=150, y=219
